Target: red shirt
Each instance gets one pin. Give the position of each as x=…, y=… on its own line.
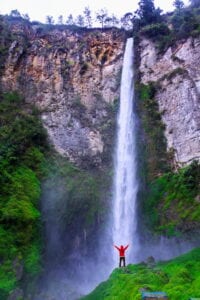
x=121, y=250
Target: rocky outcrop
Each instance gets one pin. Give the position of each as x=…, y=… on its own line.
x=177, y=76
x=73, y=78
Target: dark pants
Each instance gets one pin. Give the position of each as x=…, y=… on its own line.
x=122, y=259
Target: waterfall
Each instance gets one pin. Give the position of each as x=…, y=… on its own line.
x=124, y=220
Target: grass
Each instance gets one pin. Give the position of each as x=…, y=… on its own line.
x=179, y=278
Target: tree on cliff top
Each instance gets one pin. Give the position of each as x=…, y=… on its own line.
x=147, y=12
x=88, y=17
x=102, y=16
x=178, y=4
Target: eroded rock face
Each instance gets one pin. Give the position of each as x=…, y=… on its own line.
x=177, y=74
x=73, y=78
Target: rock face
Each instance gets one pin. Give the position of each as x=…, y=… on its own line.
x=73, y=78
x=177, y=74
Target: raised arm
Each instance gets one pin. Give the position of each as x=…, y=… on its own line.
x=117, y=248
x=126, y=247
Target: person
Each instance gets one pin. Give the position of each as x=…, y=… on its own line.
x=122, y=250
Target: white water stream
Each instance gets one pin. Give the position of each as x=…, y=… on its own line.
x=125, y=179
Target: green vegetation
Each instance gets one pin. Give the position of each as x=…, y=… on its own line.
x=179, y=278
x=147, y=13
x=23, y=143
x=182, y=23
x=155, y=31
x=172, y=203
x=5, y=41
x=155, y=148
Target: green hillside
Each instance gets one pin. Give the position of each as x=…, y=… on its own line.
x=179, y=278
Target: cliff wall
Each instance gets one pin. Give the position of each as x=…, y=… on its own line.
x=176, y=74
x=73, y=77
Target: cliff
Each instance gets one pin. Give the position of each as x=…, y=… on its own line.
x=176, y=74
x=73, y=77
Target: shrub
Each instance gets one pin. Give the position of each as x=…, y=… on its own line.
x=155, y=31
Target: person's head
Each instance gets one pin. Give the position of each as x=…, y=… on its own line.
x=121, y=246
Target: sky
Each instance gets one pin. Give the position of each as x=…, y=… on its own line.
x=39, y=9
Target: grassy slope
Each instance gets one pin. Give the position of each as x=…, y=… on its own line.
x=179, y=278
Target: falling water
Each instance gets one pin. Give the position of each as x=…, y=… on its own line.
x=125, y=180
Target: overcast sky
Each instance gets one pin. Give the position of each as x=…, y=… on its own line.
x=39, y=9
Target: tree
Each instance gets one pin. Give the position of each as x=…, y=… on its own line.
x=15, y=13
x=60, y=20
x=127, y=21
x=178, y=4
x=80, y=21
x=70, y=20
x=49, y=20
x=26, y=17
x=147, y=12
x=101, y=16
x=88, y=18
x=115, y=21
x=108, y=22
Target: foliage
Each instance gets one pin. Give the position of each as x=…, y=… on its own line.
x=147, y=12
x=178, y=4
x=154, y=150
x=5, y=41
x=101, y=16
x=158, y=33
x=171, y=205
x=168, y=29
x=20, y=130
x=88, y=17
x=7, y=279
x=155, y=31
x=23, y=142
x=184, y=23
x=33, y=260
x=179, y=278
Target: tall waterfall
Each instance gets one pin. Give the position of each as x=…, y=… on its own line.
x=125, y=179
